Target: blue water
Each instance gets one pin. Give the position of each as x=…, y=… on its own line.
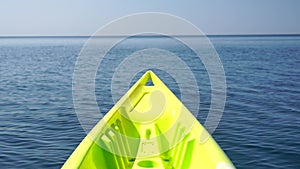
x=260, y=125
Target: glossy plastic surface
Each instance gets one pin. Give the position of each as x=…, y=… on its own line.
x=148, y=128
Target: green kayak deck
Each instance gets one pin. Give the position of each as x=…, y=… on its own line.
x=148, y=127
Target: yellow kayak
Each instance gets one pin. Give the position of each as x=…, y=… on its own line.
x=148, y=127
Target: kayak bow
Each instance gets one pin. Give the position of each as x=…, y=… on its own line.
x=148, y=128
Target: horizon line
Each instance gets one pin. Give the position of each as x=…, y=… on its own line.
x=112, y=36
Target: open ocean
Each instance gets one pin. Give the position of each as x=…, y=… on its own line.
x=260, y=127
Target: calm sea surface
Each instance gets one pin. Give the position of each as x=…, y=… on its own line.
x=260, y=127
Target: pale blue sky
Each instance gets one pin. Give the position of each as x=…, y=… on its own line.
x=84, y=17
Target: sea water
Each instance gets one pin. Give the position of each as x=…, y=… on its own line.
x=260, y=124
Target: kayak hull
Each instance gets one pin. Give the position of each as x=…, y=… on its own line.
x=148, y=128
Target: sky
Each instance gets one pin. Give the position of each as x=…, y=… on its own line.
x=84, y=17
